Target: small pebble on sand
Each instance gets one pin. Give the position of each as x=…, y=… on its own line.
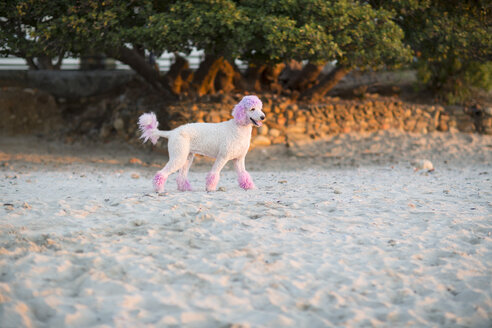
x=423, y=164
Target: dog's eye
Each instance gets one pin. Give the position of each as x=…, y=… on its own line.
x=252, y=109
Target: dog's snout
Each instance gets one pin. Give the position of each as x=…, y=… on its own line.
x=262, y=117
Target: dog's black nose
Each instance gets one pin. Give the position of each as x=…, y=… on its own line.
x=262, y=117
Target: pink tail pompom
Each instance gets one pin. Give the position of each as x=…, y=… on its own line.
x=147, y=123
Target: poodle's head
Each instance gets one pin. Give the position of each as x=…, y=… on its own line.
x=248, y=111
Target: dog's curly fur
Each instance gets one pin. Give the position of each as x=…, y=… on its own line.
x=223, y=141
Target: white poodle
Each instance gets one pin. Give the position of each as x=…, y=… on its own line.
x=223, y=141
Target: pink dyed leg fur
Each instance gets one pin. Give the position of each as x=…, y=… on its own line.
x=245, y=181
x=212, y=181
x=183, y=184
x=159, y=181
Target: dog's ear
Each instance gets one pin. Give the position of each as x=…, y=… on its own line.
x=239, y=114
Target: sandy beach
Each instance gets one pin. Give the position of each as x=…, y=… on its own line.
x=343, y=232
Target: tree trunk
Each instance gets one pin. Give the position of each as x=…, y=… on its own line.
x=225, y=77
x=30, y=62
x=271, y=75
x=59, y=61
x=138, y=63
x=253, y=76
x=291, y=71
x=325, y=84
x=204, y=77
x=308, y=75
x=238, y=80
x=178, y=75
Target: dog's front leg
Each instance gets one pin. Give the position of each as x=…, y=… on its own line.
x=214, y=175
x=243, y=176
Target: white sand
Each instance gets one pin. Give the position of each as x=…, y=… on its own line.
x=326, y=240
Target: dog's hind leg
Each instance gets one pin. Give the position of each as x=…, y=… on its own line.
x=178, y=153
x=243, y=176
x=182, y=179
x=214, y=175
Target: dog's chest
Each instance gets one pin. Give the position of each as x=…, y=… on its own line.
x=238, y=146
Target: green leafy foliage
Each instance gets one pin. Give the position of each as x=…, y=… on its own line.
x=216, y=26
x=353, y=34
x=26, y=28
x=70, y=27
x=452, y=41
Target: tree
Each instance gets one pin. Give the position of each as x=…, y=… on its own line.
x=452, y=41
x=215, y=26
x=265, y=33
x=117, y=28
x=22, y=23
x=364, y=37
x=351, y=33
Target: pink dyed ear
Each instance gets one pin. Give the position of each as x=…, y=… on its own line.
x=239, y=114
x=239, y=111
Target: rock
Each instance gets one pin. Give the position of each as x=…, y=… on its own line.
x=300, y=119
x=486, y=122
x=105, y=131
x=298, y=139
x=421, y=126
x=410, y=124
x=28, y=111
x=466, y=126
x=278, y=140
x=261, y=141
x=263, y=130
x=298, y=129
x=214, y=118
x=135, y=160
x=274, y=133
x=443, y=126
x=119, y=124
x=385, y=126
x=423, y=164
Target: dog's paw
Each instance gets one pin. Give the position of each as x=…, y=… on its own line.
x=245, y=181
x=159, y=181
x=183, y=184
x=212, y=181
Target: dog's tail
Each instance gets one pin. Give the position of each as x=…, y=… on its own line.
x=148, y=124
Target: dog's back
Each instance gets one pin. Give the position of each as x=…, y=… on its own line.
x=212, y=139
